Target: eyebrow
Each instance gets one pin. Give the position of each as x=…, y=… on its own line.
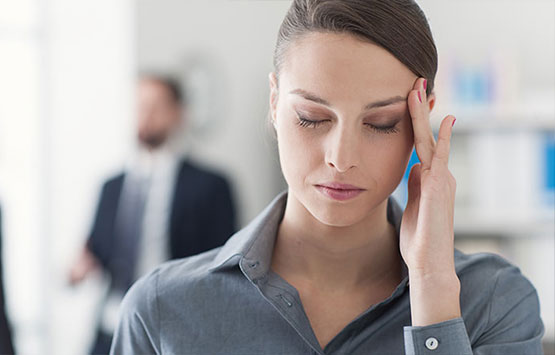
x=381, y=103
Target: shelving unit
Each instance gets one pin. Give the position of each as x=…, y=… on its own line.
x=488, y=120
x=530, y=118
x=471, y=224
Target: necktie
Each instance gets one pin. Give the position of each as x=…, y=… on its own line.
x=128, y=231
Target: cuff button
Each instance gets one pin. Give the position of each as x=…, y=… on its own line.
x=431, y=343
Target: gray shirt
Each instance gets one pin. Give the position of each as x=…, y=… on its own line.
x=228, y=301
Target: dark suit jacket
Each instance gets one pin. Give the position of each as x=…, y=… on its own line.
x=6, y=346
x=202, y=214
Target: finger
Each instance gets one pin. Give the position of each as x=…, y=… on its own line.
x=413, y=184
x=441, y=154
x=410, y=214
x=424, y=141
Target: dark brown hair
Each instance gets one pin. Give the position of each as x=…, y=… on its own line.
x=399, y=26
x=170, y=82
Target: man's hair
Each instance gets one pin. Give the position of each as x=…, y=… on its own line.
x=171, y=83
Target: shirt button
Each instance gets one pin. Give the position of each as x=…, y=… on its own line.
x=289, y=304
x=432, y=343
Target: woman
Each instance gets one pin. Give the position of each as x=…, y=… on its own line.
x=333, y=265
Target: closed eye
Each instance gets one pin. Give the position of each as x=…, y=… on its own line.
x=384, y=129
x=305, y=122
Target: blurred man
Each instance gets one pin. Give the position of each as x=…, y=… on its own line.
x=6, y=346
x=161, y=207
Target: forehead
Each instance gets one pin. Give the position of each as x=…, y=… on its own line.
x=153, y=88
x=342, y=64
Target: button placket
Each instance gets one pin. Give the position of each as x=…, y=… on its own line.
x=287, y=302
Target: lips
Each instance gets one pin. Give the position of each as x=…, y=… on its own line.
x=338, y=191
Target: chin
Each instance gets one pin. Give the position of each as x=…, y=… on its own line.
x=334, y=218
x=152, y=140
x=334, y=214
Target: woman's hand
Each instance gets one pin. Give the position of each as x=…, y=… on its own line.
x=426, y=236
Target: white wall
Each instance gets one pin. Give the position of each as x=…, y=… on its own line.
x=21, y=165
x=67, y=70
x=89, y=88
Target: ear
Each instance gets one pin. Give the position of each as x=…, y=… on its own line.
x=431, y=101
x=273, y=96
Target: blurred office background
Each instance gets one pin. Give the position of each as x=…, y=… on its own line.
x=67, y=71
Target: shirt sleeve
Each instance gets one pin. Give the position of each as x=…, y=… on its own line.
x=512, y=324
x=138, y=328
x=448, y=337
x=95, y=241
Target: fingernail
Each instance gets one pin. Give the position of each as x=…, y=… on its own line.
x=452, y=124
x=419, y=97
x=425, y=84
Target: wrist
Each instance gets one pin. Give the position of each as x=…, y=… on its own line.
x=434, y=297
x=432, y=278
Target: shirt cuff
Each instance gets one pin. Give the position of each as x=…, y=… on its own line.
x=448, y=337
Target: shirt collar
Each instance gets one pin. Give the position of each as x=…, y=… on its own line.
x=254, y=243
x=141, y=161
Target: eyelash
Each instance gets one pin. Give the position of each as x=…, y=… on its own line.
x=303, y=122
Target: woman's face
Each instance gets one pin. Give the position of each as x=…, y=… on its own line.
x=350, y=88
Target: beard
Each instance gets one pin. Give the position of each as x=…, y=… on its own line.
x=152, y=140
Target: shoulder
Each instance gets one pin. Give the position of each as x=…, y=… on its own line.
x=210, y=175
x=207, y=182
x=167, y=281
x=496, y=295
x=113, y=181
x=490, y=271
x=142, y=311
x=175, y=291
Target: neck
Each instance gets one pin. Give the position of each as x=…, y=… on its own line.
x=347, y=258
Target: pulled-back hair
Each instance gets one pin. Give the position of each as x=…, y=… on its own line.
x=398, y=26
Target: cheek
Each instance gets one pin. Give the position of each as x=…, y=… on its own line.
x=167, y=121
x=395, y=160
x=385, y=159
x=298, y=152
x=390, y=158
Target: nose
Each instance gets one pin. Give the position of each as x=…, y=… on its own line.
x=342, y=149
